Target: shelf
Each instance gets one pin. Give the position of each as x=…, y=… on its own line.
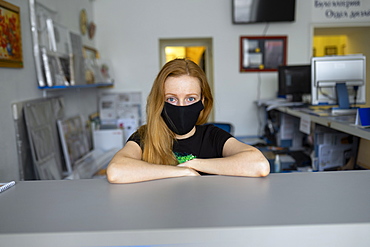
x=335, y=122
x=78, y=86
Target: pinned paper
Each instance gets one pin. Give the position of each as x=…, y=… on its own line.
x=305, y=124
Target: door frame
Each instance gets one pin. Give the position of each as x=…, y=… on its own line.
x=346, y=26
x=205, y=42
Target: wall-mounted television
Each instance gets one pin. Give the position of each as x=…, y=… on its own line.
x=256, y=11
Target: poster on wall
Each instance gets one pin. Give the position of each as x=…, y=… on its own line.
x=340, y=11
x=10, y=36
x=122, y=110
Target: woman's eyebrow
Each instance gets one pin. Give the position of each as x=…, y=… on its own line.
x=185, y=94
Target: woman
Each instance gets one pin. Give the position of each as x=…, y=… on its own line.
x=174, y=142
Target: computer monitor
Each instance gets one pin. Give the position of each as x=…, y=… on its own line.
x=294, y=81
x=331, y=73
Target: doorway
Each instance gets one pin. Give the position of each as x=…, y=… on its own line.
x=198, y=50
x=343, y=40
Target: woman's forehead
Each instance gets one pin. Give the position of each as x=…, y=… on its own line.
x=182, y=83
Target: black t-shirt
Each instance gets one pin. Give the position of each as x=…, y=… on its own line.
x=207, y=142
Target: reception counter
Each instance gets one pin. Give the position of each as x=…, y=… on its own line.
x=295, y=209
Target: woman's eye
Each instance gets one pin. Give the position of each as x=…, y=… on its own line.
x=191, y=99
x=171, y=100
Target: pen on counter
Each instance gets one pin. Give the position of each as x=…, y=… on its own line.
x=5, y=186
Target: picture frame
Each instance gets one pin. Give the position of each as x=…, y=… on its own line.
x=93, y=73
x=74, y=140
x=106, y=70
x=90, y=52
x=10, y=45
x=59, y=38
x=56, y=68
x=59, y=52
x=77, y=60
x=262, y=53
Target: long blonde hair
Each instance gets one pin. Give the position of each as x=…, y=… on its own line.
x=156, y=138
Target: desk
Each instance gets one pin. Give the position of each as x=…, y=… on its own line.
x=341, y=123
x=297, y=209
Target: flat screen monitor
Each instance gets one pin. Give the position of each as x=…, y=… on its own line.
x=294, y=81
x=329, y=71
x=255, y=11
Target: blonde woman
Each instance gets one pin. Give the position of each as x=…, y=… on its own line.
x=174, y=142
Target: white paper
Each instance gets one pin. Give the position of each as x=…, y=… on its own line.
x=107, y=107
x=286, y=127
x=305, y=124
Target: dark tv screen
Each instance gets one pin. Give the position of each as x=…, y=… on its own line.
x=255, y=11
x=294, y=80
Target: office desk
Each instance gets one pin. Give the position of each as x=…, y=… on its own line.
x=297, y=209
x=341, y=123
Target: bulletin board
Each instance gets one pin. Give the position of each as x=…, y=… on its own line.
x=262, y=53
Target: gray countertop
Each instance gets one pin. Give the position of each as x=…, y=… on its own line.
x=93, y=208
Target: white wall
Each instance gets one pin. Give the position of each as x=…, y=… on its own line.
x=15, y=85
x=128, y=33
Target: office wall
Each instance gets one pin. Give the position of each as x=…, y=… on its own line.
x=128, y=33
x=15, y=85
x=20, y=84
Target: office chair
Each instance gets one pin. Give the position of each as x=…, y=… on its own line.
x=225, y=126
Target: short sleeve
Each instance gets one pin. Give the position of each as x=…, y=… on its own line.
x=135, y=137
x=218, y=138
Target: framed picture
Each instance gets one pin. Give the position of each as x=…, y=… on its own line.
x=106, y=70
x=77, y=62
x=59, y=39
x=10, y=36
x=93, y=73
x=90, y=53
x=74, y=140
x=59, y=53
x=56, y=68
x=262, y=53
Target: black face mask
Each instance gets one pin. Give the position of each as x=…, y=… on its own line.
x=181, y=119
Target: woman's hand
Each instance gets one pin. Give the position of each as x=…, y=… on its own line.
x=127, y=167
x=188, y=171
x=239, y=159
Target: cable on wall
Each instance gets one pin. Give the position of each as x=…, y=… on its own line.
x=265, y=29
x=260, y=122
